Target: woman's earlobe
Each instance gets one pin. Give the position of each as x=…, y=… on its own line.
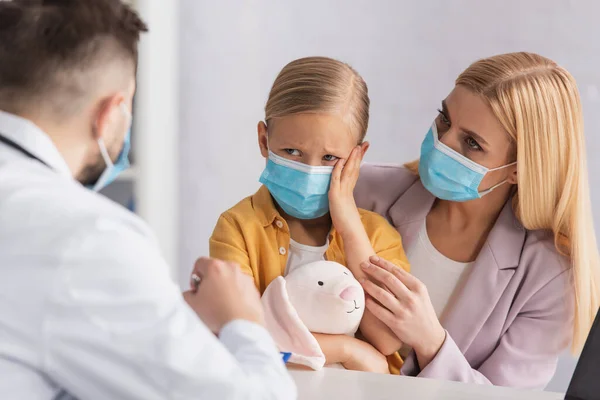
x=513, y=177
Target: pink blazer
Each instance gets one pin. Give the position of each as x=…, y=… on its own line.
x=513, y=315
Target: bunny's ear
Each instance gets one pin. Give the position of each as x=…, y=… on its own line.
x=290, y=333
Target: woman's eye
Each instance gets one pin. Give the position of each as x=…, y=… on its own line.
x=443, y=118
x=292, y=152
x=473, y=145
x=329, y=157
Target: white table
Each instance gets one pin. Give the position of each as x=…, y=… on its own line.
x=334, y=384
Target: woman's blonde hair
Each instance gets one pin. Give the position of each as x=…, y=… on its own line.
x=320, y=85
x=538, y=104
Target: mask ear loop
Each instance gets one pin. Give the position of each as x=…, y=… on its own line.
x=104, y=151
x=127, y=114
x=268, y=146
x=502, y=167
x=487, y=191
x=267, y=130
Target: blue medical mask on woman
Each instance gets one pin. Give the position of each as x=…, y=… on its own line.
x=112, y=170
x=301, y=190
x=449, y=175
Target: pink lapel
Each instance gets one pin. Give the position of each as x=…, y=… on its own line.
x=490, y=275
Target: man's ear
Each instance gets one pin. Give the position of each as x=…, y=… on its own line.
x=107, y=114
x=263, y=139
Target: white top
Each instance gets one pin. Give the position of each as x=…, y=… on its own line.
x=332, y=383
x=440, y=274
x=301, y=254
x=87, y=305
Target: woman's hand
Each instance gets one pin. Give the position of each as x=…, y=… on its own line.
x=344, y=214
x=405, y=307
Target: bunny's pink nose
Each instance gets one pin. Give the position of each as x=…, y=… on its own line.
x=350, y=293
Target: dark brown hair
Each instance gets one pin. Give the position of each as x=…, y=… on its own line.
x=49, y=48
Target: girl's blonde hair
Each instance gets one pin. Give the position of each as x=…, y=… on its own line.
x=538, y=104
x=320, y=85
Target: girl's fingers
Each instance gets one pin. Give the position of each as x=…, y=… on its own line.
x=336, y=175
x=359, y=158
x=351, y=169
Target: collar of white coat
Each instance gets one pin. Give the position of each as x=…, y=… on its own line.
x=29, y=136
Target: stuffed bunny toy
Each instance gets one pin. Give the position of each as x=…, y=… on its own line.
x=319, y=297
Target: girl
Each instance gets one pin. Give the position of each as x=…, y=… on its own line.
x=313, y=139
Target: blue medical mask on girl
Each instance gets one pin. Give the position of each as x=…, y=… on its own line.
x=301, y=190
x=449, y=175
x=113, y=170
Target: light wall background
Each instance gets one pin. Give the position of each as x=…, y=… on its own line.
x=409, y=53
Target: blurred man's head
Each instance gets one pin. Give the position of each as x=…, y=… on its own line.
x=69, y=66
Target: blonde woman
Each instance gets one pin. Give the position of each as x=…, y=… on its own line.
x=497, y=225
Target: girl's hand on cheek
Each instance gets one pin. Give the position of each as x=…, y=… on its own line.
x=344, y=213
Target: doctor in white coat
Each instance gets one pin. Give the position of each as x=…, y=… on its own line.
x=87, y=307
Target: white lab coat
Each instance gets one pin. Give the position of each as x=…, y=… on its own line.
x=87, y=307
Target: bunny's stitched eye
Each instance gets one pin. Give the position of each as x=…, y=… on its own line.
x=320, y=283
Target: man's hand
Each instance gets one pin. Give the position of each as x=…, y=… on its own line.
x=224, y=294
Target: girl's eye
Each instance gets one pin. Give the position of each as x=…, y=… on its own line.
x=292, y=152
x=444, y=118
x=329, y=157
x=472, y=143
